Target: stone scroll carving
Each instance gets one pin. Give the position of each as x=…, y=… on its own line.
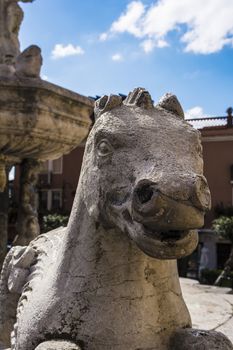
x=109, y=280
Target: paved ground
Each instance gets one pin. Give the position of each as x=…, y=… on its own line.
x=210, y=307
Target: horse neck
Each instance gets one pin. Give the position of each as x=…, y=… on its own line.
x=106, y=278
x=101, y=256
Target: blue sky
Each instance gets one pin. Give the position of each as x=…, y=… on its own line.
x=112, y=46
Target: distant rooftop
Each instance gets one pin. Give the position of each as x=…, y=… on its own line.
x=200, y=123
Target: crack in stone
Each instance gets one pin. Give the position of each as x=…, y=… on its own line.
x=227, y=320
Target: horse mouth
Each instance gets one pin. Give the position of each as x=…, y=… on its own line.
x=162, y=242
x=169, y=236
x=167, y=244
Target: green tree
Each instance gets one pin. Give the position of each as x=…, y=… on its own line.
x=223, y=226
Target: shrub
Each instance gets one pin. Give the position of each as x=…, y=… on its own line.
x=210, y=276
x=52, y=221
x=223, y=226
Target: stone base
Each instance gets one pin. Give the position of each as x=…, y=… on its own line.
x=194, y=339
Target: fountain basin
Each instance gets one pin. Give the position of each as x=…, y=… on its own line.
x=39, y=120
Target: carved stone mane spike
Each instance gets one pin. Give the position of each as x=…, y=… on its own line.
x=106, y=103
x=171, y=104
x=139, y=97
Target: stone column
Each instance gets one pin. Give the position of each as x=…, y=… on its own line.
x=4, y=206
x=27, y=225
x=3, y=177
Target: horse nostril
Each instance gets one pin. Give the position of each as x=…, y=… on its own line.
x=144, y=193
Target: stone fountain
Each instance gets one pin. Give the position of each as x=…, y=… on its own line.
x=38, y=120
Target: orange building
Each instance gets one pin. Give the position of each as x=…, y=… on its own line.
x=217, y=142
x=58, y=181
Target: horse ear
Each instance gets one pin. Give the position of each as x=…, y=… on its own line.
x=170, y=103
x=140, y=98
x=106, y=103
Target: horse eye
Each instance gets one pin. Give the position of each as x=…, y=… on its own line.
x=104, y=148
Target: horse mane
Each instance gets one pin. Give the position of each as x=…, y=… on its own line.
x=139, y=97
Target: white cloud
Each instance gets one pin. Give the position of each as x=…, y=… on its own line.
x=194, y=113
x=117, y=57
x=61, y=51
x=45, y=77
x=129, y=21
x=162, y=43
x=103, y=36
x=148, y=45
x=204, y=27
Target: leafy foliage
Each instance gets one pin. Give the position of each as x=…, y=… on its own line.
x=52, y=221
x=223, y=226
x=210, y=276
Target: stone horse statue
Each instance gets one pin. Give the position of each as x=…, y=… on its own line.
x=109, y=280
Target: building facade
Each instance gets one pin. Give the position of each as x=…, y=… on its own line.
x=58, y=181
x=217, y=143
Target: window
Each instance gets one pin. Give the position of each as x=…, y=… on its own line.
x=50, y=199
x=45, y=167
x=57, y=166
x=43, y=200
x=56, y=199
x=54, y=166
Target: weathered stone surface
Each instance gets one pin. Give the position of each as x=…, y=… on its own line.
x=39, y=121
x=27, y=222
x=8, y=300
x=92, y=283
x=58, y=345
x=29, y=62
x=11, y=16
x=4, y=207
x=196, y=339
x=170, y=103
